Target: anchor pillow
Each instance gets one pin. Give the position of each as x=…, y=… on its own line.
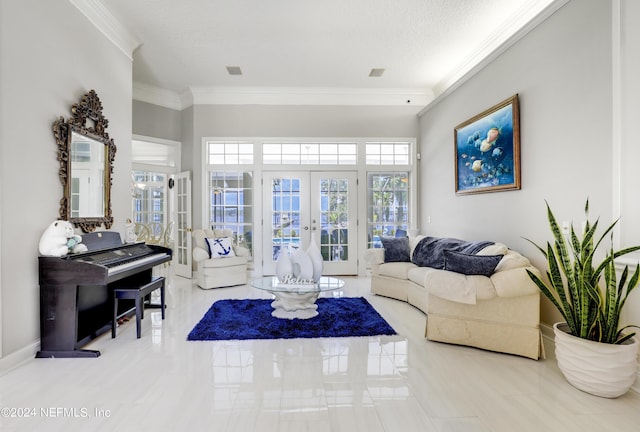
x=221, y=247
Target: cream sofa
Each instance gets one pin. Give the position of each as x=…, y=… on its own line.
x=500, y=312
x=218, y=272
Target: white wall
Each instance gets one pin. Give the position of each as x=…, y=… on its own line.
x=51, y=55
x=562, y=71
x=156, y=121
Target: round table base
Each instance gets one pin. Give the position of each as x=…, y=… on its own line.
x=294, y=305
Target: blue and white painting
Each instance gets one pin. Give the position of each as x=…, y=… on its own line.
x=486, y=153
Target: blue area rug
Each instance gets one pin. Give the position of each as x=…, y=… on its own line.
x=251, y=319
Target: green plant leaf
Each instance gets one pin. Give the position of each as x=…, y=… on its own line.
x=588, y=295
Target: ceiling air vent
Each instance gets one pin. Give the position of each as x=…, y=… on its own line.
x=234, y=70
x=376, y=72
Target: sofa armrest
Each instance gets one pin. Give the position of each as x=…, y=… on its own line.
x=374, y=256
x=200, y=254
x=241, y=251
x=515, y=282
x=512, y=260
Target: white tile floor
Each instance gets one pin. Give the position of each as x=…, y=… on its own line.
x=392, y=383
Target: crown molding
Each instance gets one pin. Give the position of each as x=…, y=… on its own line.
x=521, y=23
x=280, y=96
x=104, y=21
x=310, y=96
x=158, y=96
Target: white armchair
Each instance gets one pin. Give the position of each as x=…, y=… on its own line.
x=218, y=272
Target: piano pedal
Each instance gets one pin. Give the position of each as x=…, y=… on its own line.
x=123, y=320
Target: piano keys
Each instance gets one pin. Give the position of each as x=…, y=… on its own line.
x=76, y=291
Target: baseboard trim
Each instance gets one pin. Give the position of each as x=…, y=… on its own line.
x=17, y=358
x=548, y=339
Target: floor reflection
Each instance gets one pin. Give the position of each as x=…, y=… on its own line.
x=306, y=375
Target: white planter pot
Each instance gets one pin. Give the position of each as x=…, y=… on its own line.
x=601, y=369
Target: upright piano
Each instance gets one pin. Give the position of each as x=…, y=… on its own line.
x=76, y=291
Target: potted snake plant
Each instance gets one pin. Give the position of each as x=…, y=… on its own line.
x=594, y=352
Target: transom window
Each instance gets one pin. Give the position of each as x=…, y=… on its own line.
x=310, y=153
x=388, y=153
x=230, y=152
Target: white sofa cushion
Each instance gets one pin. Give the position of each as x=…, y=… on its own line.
x=512, y=260
x=223, y=262
x=494, y=249
x=419, y=275
x=458, y=287
x=514, y=282
x=374, y=256
x=396, y=270
x=200, y=254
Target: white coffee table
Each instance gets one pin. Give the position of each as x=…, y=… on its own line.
x=296, y=301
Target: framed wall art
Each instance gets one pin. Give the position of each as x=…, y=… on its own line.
x=487, y=150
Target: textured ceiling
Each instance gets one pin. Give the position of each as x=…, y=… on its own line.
x=421, y=44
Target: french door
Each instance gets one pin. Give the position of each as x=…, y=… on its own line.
x=183, y=229
x=301, y=206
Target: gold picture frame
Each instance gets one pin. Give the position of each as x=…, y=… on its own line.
x=487, y=150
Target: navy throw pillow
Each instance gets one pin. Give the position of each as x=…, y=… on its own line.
x=467, y=264
x=396, y=249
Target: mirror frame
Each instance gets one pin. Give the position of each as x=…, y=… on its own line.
x=87, y=120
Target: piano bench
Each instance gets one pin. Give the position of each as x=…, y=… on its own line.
x=137, y=293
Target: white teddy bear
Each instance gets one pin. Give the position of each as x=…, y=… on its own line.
x=59, y=239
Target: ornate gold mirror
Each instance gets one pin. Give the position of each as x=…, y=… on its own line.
x=86, y=155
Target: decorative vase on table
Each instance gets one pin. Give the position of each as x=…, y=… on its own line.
x=601, y=369
x=284, y=266
x=302, y=265
x=316, y=259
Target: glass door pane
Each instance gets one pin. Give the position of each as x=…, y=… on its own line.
x=334, y=220
x=301, y=204
x=182, y=248
x=286, y=216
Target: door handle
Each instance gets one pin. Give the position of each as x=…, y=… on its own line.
x=306, y=228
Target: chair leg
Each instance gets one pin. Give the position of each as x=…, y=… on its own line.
x=138, y=315
x=162, y=306
x=114, y=321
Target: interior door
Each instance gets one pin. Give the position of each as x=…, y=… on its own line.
x=182, y=243
x=299, y=205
